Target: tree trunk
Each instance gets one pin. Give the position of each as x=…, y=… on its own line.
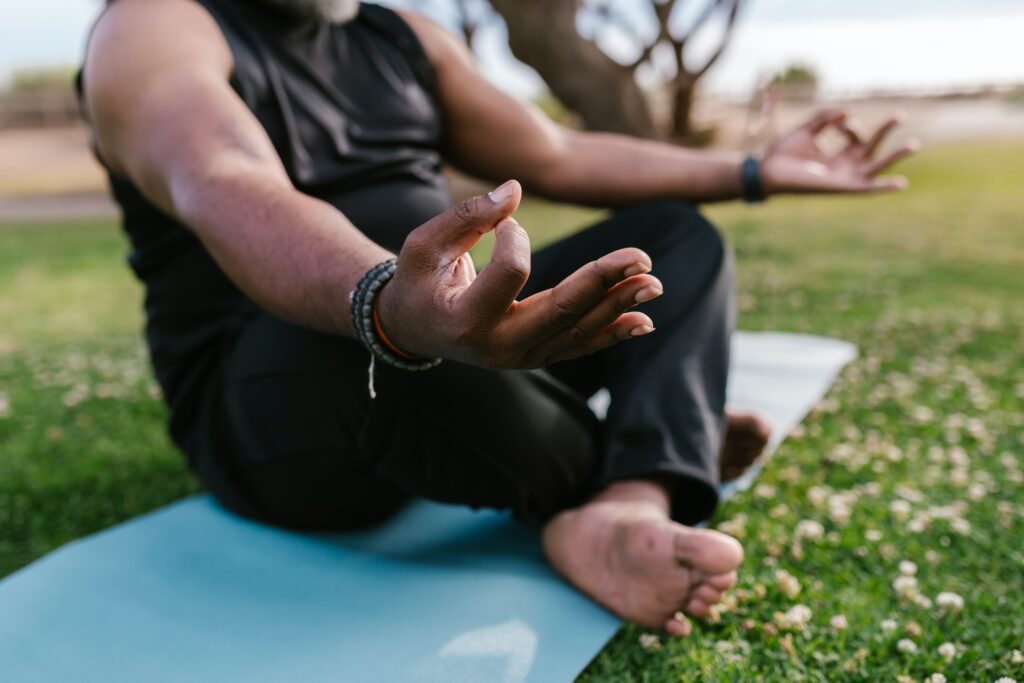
x=542, y=34
x=683, y=132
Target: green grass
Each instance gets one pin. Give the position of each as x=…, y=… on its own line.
x=928, y=283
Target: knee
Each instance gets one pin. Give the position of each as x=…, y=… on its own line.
x=670, y=226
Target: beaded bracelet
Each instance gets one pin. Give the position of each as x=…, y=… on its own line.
x=367, y=324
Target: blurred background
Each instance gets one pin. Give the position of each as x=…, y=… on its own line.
x=709, y=72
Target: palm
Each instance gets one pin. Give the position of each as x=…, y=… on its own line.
x=798, y=163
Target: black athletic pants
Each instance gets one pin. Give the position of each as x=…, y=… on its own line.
x=303, y=444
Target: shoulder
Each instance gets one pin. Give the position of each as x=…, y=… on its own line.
x=133, y=37
x=444, y=49
x=141, y=55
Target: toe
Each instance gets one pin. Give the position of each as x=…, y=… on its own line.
x=708, y=594
x=678, y=625
x=697, y=608
x=721, y=582
x=708, y=552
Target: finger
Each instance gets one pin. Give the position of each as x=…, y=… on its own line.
x=879, y=135
x=498, y=284
x=887, y=160
x=678, y=625
x=547, y=313
x=454, y=232
x=625, y=327
x=888, y=184
x=606, y=324
x=824, y=119
x=853, y=137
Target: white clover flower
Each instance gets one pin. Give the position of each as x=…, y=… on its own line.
x=873, y=535
x=949, y=603
x=787, y=584
x=935, y=678
x=909, y=494
x=908, y=568
x=1017, y=657
x=809, y=529
x=947, y=651
x=733, y=651
x=818, y=495
x=889, y=625
x=793, y=619
x=960, y=526
x=735, y=527
x=900, y=508
x=923, y=601
x=905, y=587
x=1005, y=679
x=765, y=491
x=918, y=524
x=977, y=491
x=839, y=622
x=922, y=413
x=839, y=512
x=649, y=641
x=906, y=645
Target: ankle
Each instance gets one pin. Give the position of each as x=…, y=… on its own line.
x=656, y=493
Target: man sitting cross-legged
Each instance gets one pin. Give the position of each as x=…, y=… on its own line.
x=269, y=155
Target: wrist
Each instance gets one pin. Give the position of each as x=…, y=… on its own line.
x=753, y=188
x=388, y=338
x=365, y=309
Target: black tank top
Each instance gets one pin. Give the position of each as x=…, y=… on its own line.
x=352, y=111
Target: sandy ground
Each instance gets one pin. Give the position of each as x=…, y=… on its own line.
x=50, y=174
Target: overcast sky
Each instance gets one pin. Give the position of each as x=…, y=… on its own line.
x=854, y=45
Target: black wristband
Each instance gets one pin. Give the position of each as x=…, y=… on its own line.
x=750, y=180
x=361, y=300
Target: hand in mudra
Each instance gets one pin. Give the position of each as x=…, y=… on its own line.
x=797, y=162
x=436, y=305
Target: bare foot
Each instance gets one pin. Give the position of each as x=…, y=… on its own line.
x=746, y=435
x=623, y=551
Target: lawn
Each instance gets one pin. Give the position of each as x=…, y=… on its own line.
x=885, y=540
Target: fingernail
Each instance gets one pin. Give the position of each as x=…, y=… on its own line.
x=647, y=293
x=502, y=192
x=641, y=330
x=636, y=269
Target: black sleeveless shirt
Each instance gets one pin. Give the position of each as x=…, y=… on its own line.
x=353, y=114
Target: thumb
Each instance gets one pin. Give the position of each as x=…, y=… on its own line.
x=458, y=229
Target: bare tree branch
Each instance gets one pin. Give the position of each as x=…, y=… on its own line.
x=702, y=18
x=726, y=35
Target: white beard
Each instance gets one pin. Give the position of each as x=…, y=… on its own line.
x=330, y=11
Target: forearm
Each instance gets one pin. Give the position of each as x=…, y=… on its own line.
x=603, y=169
x=295, y=256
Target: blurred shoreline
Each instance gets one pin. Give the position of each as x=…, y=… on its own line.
x=49, y=173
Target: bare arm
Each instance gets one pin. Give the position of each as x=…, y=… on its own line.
x=165, y=116
x=492, y=135
x=158, y=96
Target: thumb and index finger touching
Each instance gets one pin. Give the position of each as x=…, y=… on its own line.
x=458, y=229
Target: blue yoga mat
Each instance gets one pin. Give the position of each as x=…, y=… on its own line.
x=438, y=594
